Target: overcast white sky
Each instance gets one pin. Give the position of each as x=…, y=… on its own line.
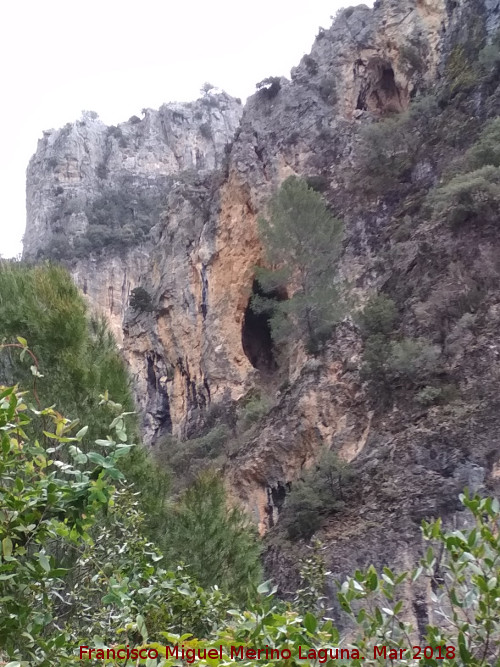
x=59, y=57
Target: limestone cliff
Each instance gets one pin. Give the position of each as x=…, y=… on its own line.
x=195, y=178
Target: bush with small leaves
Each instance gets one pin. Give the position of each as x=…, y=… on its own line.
x=469, y=199
x=206, y=131
x=253, y=410
x=429, y=395
x=52, y=493
x=412, y=360
x=489, y=57
x=317, y=494
x=378, y=316
x=486, y=150
x=141, y=301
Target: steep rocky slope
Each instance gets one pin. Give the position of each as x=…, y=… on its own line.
x=197, y=177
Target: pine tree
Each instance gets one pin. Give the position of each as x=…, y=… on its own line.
x=303, y=243
x=217, y=542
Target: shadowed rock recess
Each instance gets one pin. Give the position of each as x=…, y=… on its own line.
x=170, y=201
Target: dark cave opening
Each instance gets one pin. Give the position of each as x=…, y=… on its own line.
x=256, y=332
x=380, y=94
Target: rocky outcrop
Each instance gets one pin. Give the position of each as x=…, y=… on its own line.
x=74, y=167
x=194, y=179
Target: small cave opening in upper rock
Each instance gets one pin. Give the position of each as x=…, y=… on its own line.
x=256, y=333
x=380, y=93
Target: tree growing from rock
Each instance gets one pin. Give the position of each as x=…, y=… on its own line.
x=140, y=300
x=303, y=242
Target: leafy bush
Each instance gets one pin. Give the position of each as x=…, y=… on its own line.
x=206, y=131
x=390, y=363
x=187, y=458
x=109, y=587
x=48, y=508
x=386, y=152
x=411, y=58
x=470, y=198
x=253, y=410
x=318, y=493
x=412, y=360
x=140, y=300
x=429, y=395
x=390, y=148
x=489, y=57
x=378, y=316
x=460, y=72
x=328, y=89
x=311, y=65
x=486, y=151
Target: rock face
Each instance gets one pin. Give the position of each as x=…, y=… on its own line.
x=195, y=179
x=75, y=166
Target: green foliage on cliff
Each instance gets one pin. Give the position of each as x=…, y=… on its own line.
x=219, y=542
x=318, y=493
x=391, y=361
x=469, y=199
x=141, y=301
x=486, y=150
x=304, y=243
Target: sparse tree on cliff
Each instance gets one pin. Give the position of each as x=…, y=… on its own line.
x=140, y=300
x=303, y=243
x=208, y=89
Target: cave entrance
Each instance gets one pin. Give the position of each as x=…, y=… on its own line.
x=380, y=93
x=256, y=333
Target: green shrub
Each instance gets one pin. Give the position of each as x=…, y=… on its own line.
x=411, y=58
x=385, y=152
x=486, y=151
x=206, y=131
x=460, y=73
x=470, y=198
x=253, y=410
x=317, y=494
x=378, y=316
x=141, y=301
x=429, y=395
x=412, y=360
x=386, y=362
x=186, y=458
x=489, y=57
x=389, y=149
x=328, y=89
x=375, y=361
x=311, y=65
x=49, y=508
